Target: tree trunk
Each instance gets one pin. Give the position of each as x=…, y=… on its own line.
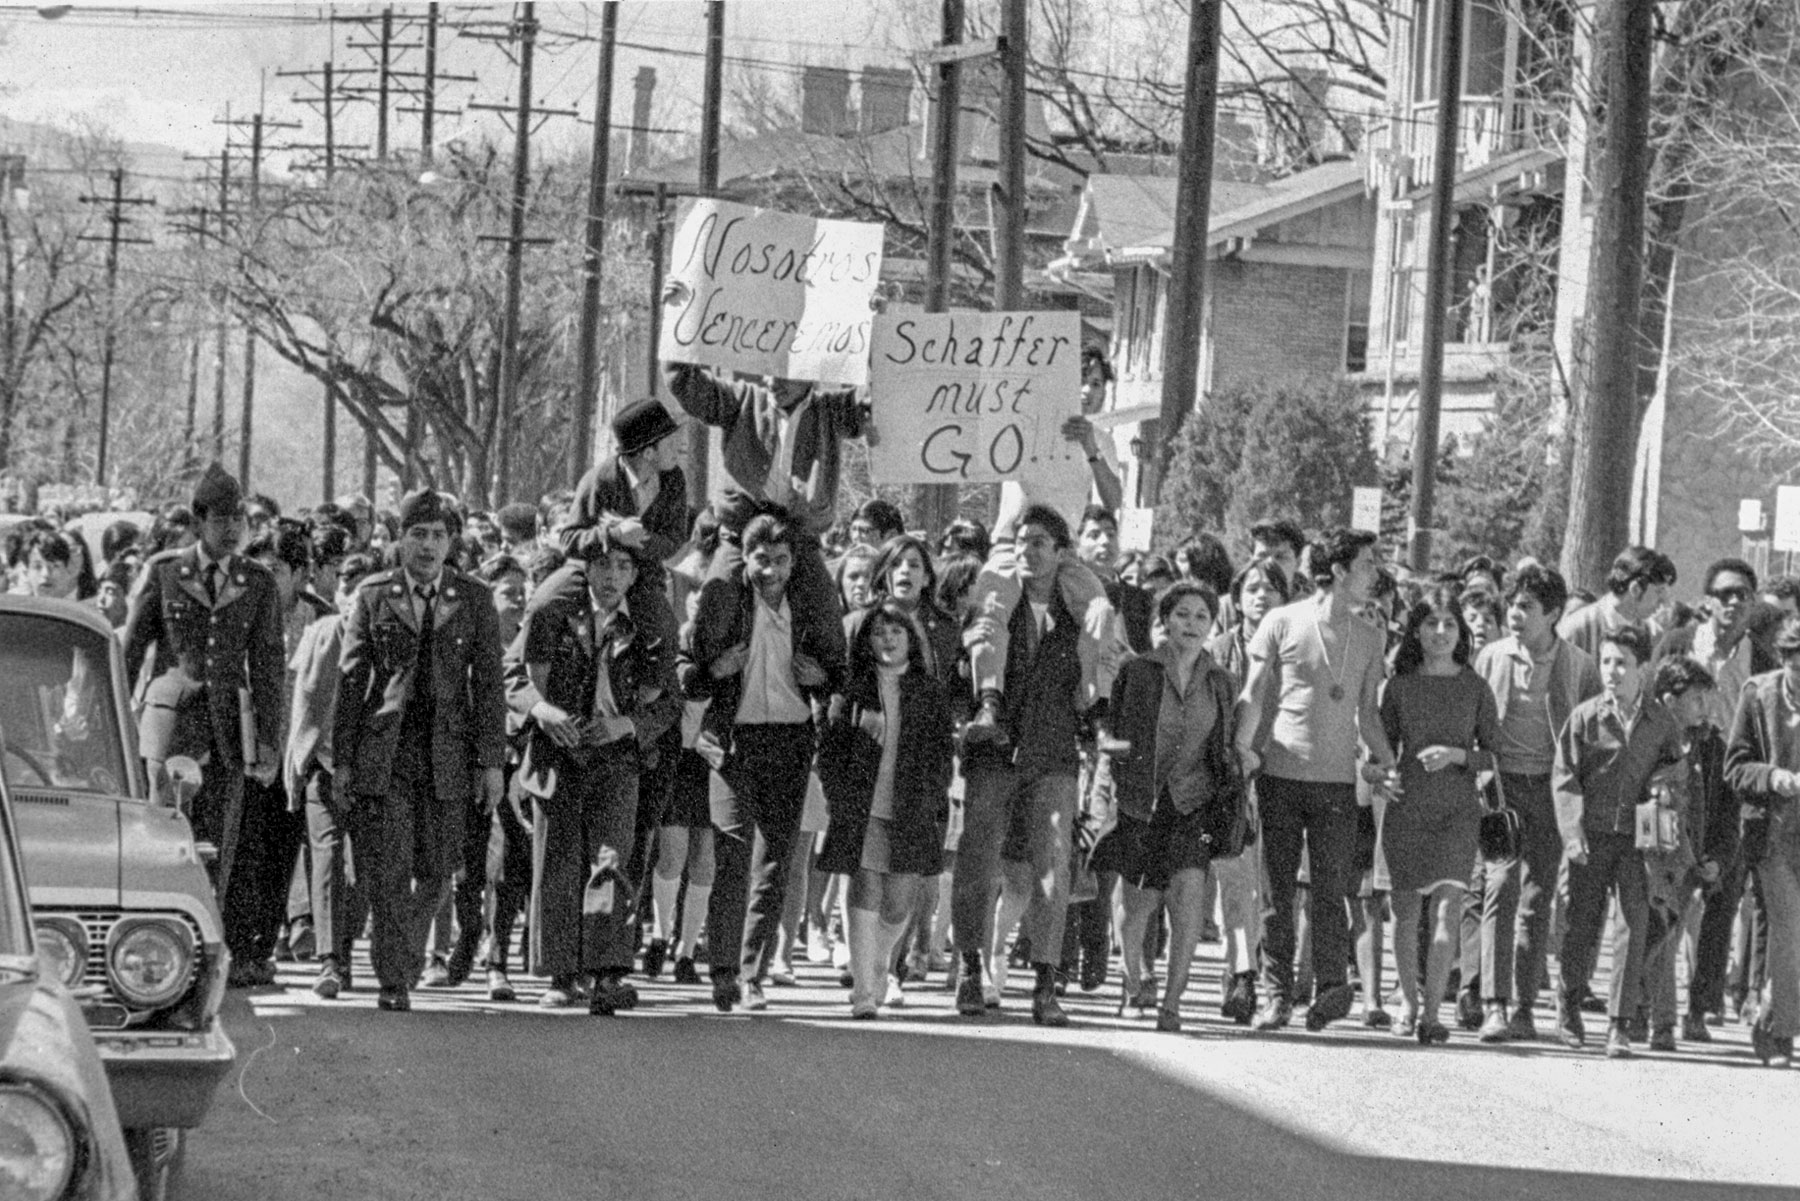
x=1606, y=414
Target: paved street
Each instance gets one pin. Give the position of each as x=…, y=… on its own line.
x=467, y=1099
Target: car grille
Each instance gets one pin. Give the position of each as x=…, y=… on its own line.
x=107, y=1010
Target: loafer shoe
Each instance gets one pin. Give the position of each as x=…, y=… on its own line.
x=726, y=995
x=686, y=972
x=1239, y=1004
x=655, y=954
x=1618, y=1042
x=1522, y=1028
x=394, y=999
x=969, y=1001
x=1330, y=1005
x=754, y=1000
x=1663, y=1039
x=329, y=982
x=1046, y=1010
x=610, y=996
x=1468, y=1009
x=1693, y=1029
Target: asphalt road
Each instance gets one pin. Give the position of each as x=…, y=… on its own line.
x=466, y=1099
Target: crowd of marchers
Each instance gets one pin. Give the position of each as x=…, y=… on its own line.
x=607, y=735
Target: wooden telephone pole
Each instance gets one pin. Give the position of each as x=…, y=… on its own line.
x=116, y=220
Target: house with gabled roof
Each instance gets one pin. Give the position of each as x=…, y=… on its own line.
x=1287, y=291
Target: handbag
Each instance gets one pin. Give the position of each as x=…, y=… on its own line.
x=1502, y=831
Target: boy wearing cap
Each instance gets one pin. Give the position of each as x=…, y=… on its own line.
x=214, y=619
x=419, y=733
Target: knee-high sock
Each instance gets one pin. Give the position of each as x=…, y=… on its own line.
x=664, y=893
x=693, y=919
x=868, y=965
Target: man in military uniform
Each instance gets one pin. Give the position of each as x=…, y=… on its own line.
x=214, y=620
x=418, y=735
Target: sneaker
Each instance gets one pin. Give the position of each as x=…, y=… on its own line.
x=969, y=1000
x=1331, y=1004
x=436, y=973
x=753, y=996
x=1663, y=1038
x=1523, y=1026
x=329, y=983
x=1693, y=1029
x=499, y=988
x=783, y=976
x=1495, y=1028
x=987, y=725
x=1275, y=1014
x=685, y=971
x=895, y=997
x=1570, y=1028
x=557, y=996
x=1618, y=1041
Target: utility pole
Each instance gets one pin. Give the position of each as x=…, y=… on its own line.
x=221, y=328
x=1193, y=218
x=1606, y=409
x=587, y=374
x=117, y=221
x=1009, y=249
x=1437, y=286
x=712, y=102
x=247, y=420
x=935, y=504
x=327, y=104
x=524, y=112
x=429, y=109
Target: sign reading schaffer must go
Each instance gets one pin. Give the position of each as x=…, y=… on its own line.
x=974, y=398
x=771, y=293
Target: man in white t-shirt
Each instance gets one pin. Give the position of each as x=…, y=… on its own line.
x=1324, y=665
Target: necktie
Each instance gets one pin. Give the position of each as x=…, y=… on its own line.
x=212, y=582
x=428, y=594
x=780, y=485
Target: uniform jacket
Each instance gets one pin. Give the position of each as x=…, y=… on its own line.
x=377, y=665
x=725, y=618
x=558, y=629
x=206, y=652
x=850, y=761
x=605, y=489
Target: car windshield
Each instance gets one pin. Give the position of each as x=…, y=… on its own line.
x=57, y=711
x=15, y=914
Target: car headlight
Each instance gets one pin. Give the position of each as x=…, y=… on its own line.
x=149, y=960
x=37, y=1148
x=63, y=949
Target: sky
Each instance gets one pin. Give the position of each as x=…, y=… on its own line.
x=167, y=75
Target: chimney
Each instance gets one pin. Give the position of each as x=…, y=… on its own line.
x=1306, y=89
x=886, y=99
x=825, y=101
x=638, y=157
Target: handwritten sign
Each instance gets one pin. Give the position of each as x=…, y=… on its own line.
x=974, y=398
x=1136, y=527
x=1787, y=518
x=1365, y=509
x=771, y=293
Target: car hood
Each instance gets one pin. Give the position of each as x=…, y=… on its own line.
x=70, y=844
x=44, y=1038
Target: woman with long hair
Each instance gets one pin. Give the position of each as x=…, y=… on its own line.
x=1442, y=721
x=887, y=821
x=1258, y=588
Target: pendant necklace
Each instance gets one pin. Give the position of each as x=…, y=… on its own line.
x=1337, y=681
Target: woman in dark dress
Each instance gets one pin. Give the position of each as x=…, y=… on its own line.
x=884, y=761
x=1442, y=721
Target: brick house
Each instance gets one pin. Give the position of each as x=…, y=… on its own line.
x=1287, y=290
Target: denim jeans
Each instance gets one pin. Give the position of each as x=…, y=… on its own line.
x=1320, y=819
x=1048, y=801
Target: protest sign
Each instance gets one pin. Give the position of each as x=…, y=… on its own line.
x=974, y=398
x=770, y=293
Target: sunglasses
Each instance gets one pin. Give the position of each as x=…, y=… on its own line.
x=1730, y=594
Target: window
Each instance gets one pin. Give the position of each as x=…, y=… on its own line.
x=1356, y=323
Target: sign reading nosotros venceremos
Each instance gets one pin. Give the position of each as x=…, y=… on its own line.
x=974, y=398
x=770, y=293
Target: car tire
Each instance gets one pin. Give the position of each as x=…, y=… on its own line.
x=156, y=1156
